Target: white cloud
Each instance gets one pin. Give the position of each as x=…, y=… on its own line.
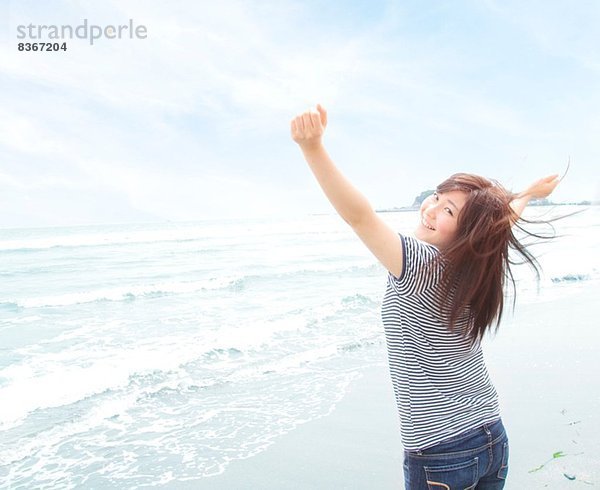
x=194, y=119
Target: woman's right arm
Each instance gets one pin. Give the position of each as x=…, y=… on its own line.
x=540, y=189
x=354, y=208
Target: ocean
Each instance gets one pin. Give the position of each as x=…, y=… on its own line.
x=156, y=354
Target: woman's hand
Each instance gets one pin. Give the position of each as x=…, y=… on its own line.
x=542, y=188
x=308, y=128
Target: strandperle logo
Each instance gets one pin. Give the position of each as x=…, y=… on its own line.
x=91, y=32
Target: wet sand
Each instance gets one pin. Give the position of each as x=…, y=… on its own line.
x=545, y=364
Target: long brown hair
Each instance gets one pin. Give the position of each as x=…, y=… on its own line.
x=477, y=265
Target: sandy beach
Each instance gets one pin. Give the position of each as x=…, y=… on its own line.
x=545, y=367
x=275, y=377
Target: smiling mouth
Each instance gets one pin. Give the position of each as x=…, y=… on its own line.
x=427, y=225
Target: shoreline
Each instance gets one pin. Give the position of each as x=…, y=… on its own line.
x=536, y=361
x=357, y=444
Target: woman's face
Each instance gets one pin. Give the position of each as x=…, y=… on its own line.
x=438, y=217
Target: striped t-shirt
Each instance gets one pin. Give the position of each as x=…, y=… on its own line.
x=440, y=380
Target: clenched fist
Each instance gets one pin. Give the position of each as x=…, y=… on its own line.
x=308, y=127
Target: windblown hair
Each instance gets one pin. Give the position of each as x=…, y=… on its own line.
x=477, y=265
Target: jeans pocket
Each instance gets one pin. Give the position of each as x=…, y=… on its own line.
x=457, y=475
x=503, y=471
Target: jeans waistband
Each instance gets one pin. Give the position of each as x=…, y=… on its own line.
x=488, y=426
x=495, y=428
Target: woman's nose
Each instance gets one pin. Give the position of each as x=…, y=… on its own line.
x=430, y=212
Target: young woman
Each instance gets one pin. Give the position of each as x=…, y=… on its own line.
x=445, y=290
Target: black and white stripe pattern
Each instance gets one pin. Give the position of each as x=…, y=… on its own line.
x=440, y=380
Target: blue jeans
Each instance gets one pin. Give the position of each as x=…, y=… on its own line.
x=476, y=459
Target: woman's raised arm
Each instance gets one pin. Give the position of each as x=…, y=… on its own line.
x=354, y=208
x=540, y=189
x=307, y=131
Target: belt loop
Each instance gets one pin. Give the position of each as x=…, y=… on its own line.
x=487, y=430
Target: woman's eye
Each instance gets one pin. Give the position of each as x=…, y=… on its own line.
x=449, y=211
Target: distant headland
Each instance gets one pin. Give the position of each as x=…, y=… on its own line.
x=534, y=202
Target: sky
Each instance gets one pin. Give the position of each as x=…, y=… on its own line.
x=193, y=121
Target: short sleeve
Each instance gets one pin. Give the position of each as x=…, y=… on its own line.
x=420, y=270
